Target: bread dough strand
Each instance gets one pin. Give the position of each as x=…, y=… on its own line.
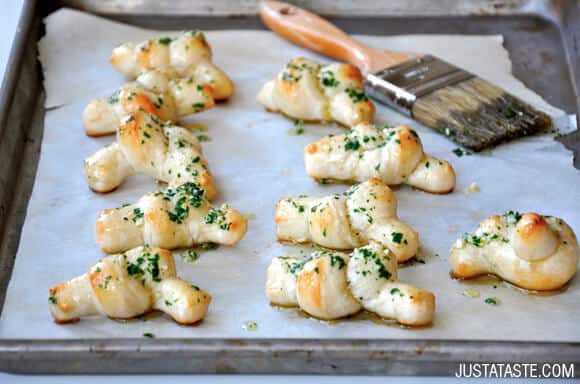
x=367, y=211
x=176, y=217
x=185, y=56
x=305, y=89
x=529, y=250
x=127, y=285
x=144, y=144
x=331, y=285
x=393, y=155
x=153, y=92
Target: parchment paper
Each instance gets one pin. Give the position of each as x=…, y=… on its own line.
x=255, y=162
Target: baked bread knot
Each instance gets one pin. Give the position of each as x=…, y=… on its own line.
x=330, y=285
x=176, y=217
x=366, y=212
x=185, y=56
x=305, y=89
x=145, y=144
x=152, y=92
x=393, y=155
x=127, y=285
x=529, y=250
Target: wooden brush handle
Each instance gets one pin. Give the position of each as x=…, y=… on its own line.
x=313, y=32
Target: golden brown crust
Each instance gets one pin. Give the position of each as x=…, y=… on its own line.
x=144, y=54
x=530, y=251
x=139, y=102
x=310, y=282
x=311, y=148
x=130, y=284
x=103, y=191
x=352, y=72
x=68, y=321
x=409, y=144
x=92, y=133
x=530, y=224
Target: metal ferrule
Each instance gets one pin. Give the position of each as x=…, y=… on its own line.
x=400, y=86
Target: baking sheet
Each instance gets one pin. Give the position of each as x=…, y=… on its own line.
x=255, y=162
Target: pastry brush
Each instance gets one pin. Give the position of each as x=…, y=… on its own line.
x=471, y=111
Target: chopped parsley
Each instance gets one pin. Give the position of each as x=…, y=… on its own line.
x=114, y=98
x=492, y=301
x=218, y=216
x=145, y=264
x=368, y=254
x=298, y=128
x=165, y=40
x=512, y=217
x=52, y=298
x=287, y=76
x=337, y=260
x=356, y=96
x=351, y=144
x=328, y=80
x=460, y=152
x=149, y=335
x=250, y=326
x=106, y=282
x=188, y=194
x=481, y=240
x=209, y=246
x=397, y=237
x=203, y=138
x=137, y=214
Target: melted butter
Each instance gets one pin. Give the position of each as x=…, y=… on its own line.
x=489, y=280
x=195, y=127
x=553, y=292
x=360, y=316
x=148, y=316
x=495, y=281
x=412, y=261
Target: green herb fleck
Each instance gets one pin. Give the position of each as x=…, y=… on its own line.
x=250, y=326
x=356, y=96
x=351, y=144
x=203, y=138
x=492, y=301
x=298, y=128
x=460, y=152
x=328, y=79
x=396, y=237
x=165, y=40
x=114, y=98
x=337, y=260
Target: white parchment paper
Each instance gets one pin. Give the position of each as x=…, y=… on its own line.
x=255, y=162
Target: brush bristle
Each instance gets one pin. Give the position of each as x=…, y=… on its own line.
x=478, y=115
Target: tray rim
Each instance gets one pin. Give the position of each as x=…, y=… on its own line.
x=15, y=351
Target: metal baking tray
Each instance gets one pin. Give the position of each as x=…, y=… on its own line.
x=543, y=42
